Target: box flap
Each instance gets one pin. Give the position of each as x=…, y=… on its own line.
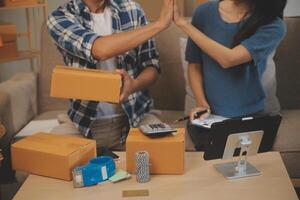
x=53, y=144
x=61, y=68
x=136, y=135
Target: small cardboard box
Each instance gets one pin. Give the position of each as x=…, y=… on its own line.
x=8, y=32
x=86, y=84
x=52, y=155
x=8, y=50
x=21, y=2
x=166, y=154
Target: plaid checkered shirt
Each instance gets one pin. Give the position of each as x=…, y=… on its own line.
x=70, y=26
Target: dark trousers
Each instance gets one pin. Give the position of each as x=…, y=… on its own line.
x=7, y=175
x=200, y=136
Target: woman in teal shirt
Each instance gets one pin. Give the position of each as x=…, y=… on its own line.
x=229, y=44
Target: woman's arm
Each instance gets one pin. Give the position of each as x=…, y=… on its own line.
x=196, y=83
x=225, y=56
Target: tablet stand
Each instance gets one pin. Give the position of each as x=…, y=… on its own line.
x=241, y=168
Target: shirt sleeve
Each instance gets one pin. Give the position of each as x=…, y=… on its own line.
x=70, y=36
x=147, y=53
x=265, y=40
x=193, y=52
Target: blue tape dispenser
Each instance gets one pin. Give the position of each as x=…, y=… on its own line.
x=96, y=171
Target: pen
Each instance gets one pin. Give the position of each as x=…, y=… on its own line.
x=197, y=115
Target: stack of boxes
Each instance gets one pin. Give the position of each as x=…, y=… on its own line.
x=8, y=41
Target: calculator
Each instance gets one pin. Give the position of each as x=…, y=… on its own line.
x=157, y=130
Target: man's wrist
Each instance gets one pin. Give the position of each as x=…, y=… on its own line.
x=159, y=26
x=135, y=86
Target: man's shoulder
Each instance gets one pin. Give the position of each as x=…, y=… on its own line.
x=69, y=7
x=126, y=5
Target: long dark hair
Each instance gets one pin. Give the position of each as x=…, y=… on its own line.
x=262, y=13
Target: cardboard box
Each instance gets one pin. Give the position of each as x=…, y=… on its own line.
x=52, y=155
x=8, y=50
x=8, y=32
x=20, y=2
x=86, y=84
x=166, y=154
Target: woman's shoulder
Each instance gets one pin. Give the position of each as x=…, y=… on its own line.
x=206, y=8
x=277, y=26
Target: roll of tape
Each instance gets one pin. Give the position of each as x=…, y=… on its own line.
x=142, y=167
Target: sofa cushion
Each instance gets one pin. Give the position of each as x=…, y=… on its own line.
x=288, y=138
x=291, y=161
x=20, y=101
x=288, y=62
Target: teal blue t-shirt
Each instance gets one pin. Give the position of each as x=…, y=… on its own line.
x=237, y=91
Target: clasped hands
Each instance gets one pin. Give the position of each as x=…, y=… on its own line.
x=170, y=13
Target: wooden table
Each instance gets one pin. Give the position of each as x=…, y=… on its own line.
x=201, y=181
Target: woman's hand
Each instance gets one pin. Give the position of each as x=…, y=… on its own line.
x=129, y=85
x=177, y=17
x=199, y=109
x=166, y=14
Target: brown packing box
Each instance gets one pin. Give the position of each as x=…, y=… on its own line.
x=86, y=84
x=52, y=155
x=166, y=154
x=8, y=50
x=8, y=32
x=20, y=2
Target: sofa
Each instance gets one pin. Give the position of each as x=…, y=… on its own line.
x=25, y=97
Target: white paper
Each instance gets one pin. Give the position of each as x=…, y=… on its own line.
x=104, y=173
x=78, y=179
x=209, y=121
x=38, y=126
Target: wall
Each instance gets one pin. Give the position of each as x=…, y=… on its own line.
x=293, y=8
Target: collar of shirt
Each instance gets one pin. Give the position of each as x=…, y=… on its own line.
x=82, y=10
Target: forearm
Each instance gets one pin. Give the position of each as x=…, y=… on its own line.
x=147, y=78
x=116, y=44
x=225, y=56
x=196, y=83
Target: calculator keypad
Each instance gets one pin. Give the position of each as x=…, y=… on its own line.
x=156, y=129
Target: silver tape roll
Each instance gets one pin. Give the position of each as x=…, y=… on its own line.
x=142, y=167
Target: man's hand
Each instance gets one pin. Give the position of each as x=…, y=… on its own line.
x=129, y=85
x=177, y=17
x=166, y=14
x=148, y=76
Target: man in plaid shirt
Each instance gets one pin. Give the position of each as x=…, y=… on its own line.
x=110, y=35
